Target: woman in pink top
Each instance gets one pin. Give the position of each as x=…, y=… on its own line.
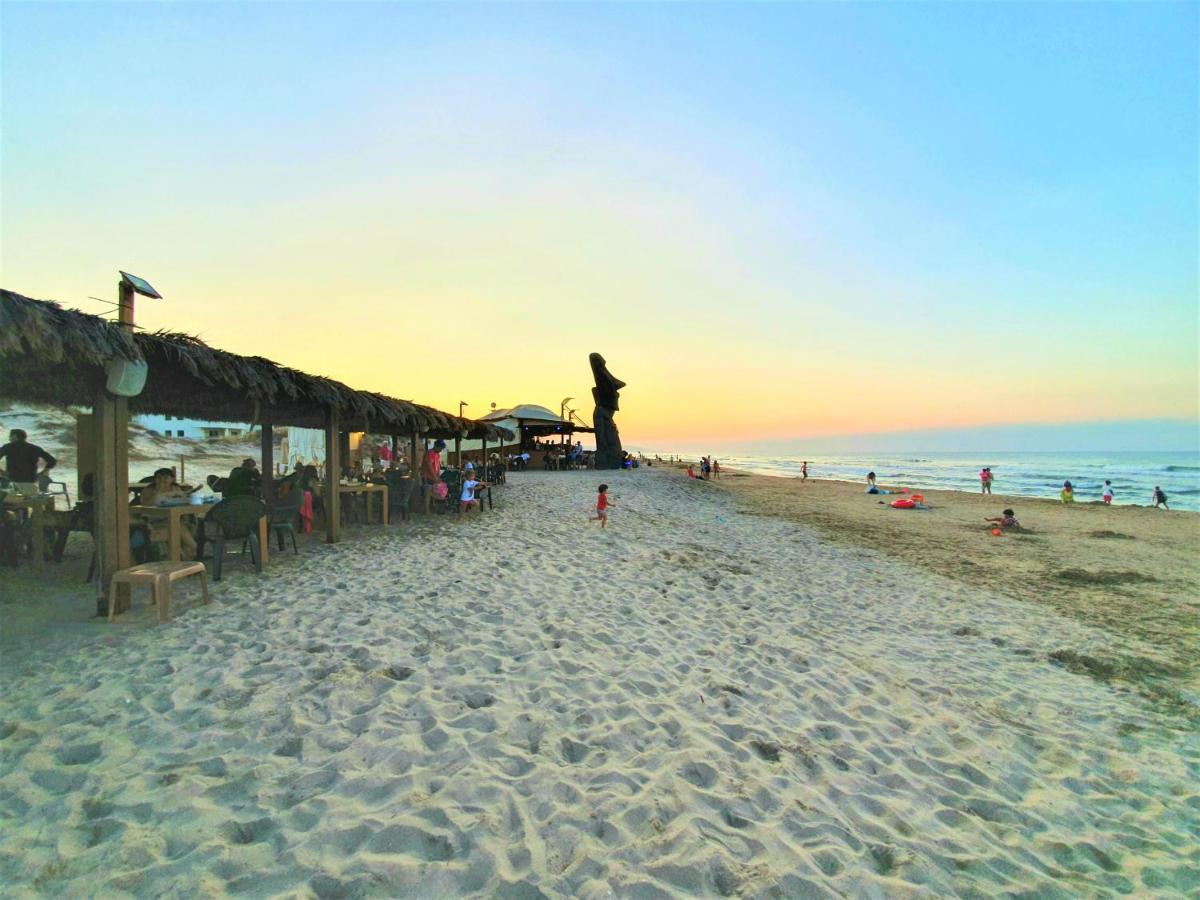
x=431, y=471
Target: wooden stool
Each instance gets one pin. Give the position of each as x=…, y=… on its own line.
x=159, y=576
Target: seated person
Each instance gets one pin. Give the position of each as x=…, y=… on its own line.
x=1068, y=493
x=468, y=499
x=164, y=488
x=245, y=480
x=1007, y=520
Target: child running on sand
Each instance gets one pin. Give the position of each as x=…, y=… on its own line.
x=1007, y=520
x=1160, y=497
x=602, y=506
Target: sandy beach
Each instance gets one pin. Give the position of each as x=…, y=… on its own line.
x=749, y=688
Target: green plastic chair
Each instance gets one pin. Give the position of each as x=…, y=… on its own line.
x=284, y=515
x=233, y=519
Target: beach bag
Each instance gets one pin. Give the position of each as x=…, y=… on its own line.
x=441, y=491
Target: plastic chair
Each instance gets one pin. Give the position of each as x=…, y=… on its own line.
x=453, y=481
x=234, y=518
x=283, y=518
x=399, y=493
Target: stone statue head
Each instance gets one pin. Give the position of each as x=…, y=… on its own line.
x=608, y=387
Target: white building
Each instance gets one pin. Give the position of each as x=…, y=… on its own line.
x=174, y=426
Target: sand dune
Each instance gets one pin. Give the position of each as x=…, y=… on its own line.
x=691, y=703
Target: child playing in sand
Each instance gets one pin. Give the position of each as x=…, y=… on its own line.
x=468, y=499
x=1007, y=520
x=1160, y=497
x=1068, y=493
x=602, y=506
x=1108, y=492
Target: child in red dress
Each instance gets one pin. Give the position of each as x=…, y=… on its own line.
x=602, y=506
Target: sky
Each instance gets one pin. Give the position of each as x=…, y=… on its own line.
x=776, y=222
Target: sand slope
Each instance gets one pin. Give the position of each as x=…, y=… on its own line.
x=693, y=703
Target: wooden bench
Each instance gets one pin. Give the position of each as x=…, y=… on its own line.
x=159, y=576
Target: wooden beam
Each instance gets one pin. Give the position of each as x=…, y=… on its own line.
x=268, y=464
x=333, y=475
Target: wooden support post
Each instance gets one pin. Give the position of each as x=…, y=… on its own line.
x=105, y=488
x=268, y=464
x=458, y=450
x=333, y=475
x=483, y=461
x=413, y=462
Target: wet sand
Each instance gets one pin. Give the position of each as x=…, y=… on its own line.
x=1132, y=572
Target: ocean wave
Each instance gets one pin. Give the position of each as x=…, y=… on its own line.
x=1181, y=468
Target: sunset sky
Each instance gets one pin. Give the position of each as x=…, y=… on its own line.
x=773, y=221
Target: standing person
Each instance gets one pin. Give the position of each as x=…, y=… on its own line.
x=985, y=480
x=1160, y=497
x=716, y=469
x=1108, y=492
x=602, y=506
x=804, y=473
x=22, y=458
x=431, y=472
x=705, y=467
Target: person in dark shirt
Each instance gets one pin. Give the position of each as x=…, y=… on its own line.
x=22, y=458
x=244, y=480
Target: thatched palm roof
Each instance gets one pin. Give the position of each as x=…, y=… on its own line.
x=53, y=355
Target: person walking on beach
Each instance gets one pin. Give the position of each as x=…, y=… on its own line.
x=1160, y=497
x=431, y=472
x=602, y=506
x=1108, y=492
x=804, y=472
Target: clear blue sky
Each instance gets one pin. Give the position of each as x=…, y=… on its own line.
x=925, y=215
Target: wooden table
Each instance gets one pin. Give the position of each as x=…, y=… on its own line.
x=174, y=518
x=41, y=517
x=369, y=489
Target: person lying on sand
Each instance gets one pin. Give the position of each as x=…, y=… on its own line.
x=1007, y=520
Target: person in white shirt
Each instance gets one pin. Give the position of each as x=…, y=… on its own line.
x=1108, y=493
x=469, y=487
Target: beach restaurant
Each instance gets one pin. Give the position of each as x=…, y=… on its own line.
x=532, y=422
x=56, y=356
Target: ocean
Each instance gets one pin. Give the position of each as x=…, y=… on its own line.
x=1133, y=475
